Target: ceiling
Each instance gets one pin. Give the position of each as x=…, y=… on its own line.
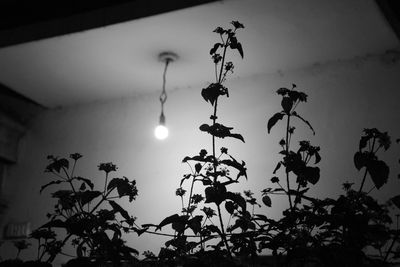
x=114, y=54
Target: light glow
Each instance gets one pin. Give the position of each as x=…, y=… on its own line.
x=161, y=132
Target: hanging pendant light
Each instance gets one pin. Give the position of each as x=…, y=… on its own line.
x=161, y=131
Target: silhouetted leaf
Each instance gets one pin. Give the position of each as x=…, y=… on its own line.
x=195, y=223
x=266, y=200
x=86, y=181
x=213, y=229
x=294, y=113
x=283, y=91
x=66, y=201
x=233, y=42
x=168, y=220
x=384, y=140
x=219, y=30
x=63, y=163
x=198, y=167
x=215, y=47
x=185, y=177
x=363, y=142
x=206, y=181
x=213, y=91
x=51, y=183
x=57, y=164
x=219, y=130
x=238, y=199
x=117, y=208
x=230, y=207
x=277, y=167
x=197, y=158
x=273, y=120
x=317, y=158
x=124, y=187
x=235, y=164
x=243, y=223
x=139, y=231
x=215, y=194
x=180, y=224
x=81, y=226
x=88, y=196
x=312, y=174
x=82, y=187
x=209, y=159
x=360, y=159
x=237, y=24
x=237, y=136
x=287, y=104
x=116, y=229
x=379, y=172
x=396, y=201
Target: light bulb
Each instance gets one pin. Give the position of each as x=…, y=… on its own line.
x=161, y=132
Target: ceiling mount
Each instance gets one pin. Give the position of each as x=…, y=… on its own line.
x=167, y=57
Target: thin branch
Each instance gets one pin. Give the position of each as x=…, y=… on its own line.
x=287, y=152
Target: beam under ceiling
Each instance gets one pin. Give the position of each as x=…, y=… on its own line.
x=391, y=10
x=26, y=20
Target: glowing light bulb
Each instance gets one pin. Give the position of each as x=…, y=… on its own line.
x=161, y=132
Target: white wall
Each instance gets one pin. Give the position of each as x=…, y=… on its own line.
x=344, y=98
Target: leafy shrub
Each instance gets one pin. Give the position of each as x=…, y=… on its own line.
x=92, y=220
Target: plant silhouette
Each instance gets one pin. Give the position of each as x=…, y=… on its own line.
x=212, y=172
x=93, y=221
x=327, y=232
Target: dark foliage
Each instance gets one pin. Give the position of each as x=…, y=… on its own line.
x=92, y=220
x=352, y=230
x=213, y=173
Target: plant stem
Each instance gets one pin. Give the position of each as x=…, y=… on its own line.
x=223, y=61
x=287, y=153
x=298, y=190
x=213, y=139
x=223, y=235
x=216, y=71
x=73, y=169
x=190, y=195
x=105, y=183
x=99, y=203
x=52, y=257
x=69, y=179
x=365, y=173
x=363, y=180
